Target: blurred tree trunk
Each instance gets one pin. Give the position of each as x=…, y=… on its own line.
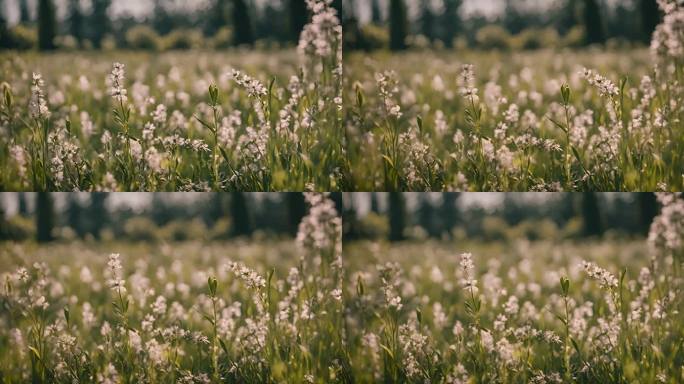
x=161, y=20
x=566, y=207
x=396, y=216
x=98, y=213
x=45, y=218
x=23, y=205
x=449, y=212
x=5, y=41
x=398, y=25
x=215, y=208
x=99, y=21
x=24, y=14
x=593, y=23
x=337, y=4
x=74, y=215
x=350, y=227
x=218, y=18
x=47, y=25
x=427, y=20
x=242, y=24
x=336, y=197
x=591, y=215
x=298, y=17
x=376, y=16
x=426, y=214
x=76, y=21
x=648, y=209
x=451, y=20
x=3, y=221
x=650, y=18
x=241, y=224
x=296, y=209
x=374, y=204
x=568, y=17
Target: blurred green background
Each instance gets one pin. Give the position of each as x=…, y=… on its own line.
x=151, y=24
x=496, y=216
x=150, y=217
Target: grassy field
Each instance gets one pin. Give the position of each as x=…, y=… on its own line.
x=507, y=121
x=425, y=315
x=192, y=312
x=186, y=120
x=308, y=311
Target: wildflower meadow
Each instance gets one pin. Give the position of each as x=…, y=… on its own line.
x=244, y=120
x=248, y=312
x=596, y=119
x=310, y=311
x=543, y=311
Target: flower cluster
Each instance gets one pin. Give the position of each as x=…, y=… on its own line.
x=387, y=85
x=604, y=85
x=249, y=277
x=115, y=282
x=253, y=86
x=38, y=108
x=116, y=83
x=602, y=276
x=467, y=81
x=666, y=236
x=668, y=38
x=468, y=269
x=321, y=230
x=320, y=36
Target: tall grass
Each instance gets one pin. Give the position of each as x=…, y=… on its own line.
x=600, y=311
x=249, y=121
x=519, y=121
x=187, y=314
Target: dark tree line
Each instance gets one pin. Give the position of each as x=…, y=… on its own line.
x=633, y=20
x=398, y=25
x=629, y=213
x=47, y=25
x=277, y=21
x=89, y=216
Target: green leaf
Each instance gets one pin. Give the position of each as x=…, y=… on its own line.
x=9, y=100
x=270, y=276
x=389, y=352
x=213, y=94
x=204, y=123
x=576, y=153
x=209, y=319
x=623, y=83
x=565, y=93
x=35, y=352
x=557, y=124
x=223, y=346
x=387, y=159
x=66, y=314
x=561, y=318
x=419, y=121
x=224, y=154
x=359, y=97
x=574, y=344
x=213, y=283
x=565, y=285
x=271, y=84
